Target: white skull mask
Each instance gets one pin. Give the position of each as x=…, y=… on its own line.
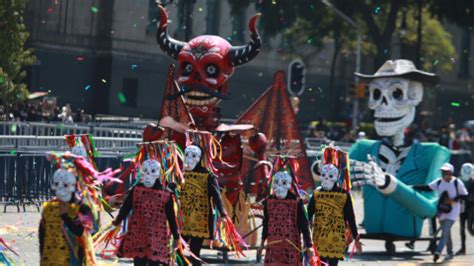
x=394, y=101
x=151, y=171
x=192, y=156
x=79, y=150
x=281, y=184
x=64, y=184
x=467, y=171
x=329, y=176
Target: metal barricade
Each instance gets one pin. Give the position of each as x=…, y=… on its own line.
x=7, y=177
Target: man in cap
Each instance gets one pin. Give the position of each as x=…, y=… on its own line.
x=389, y=167
x=450, y=192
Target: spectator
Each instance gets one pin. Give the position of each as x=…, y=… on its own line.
x=66, y=115
x=467, y=176
x=450, y=192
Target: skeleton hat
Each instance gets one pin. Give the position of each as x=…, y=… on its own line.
x=401, y=68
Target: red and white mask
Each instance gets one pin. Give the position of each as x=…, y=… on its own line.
x=206, y=63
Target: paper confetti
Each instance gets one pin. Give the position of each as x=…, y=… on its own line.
x=435, y=62
x=2, y=80
x=309, y=41
x=80, y=58
x=121, y=97
x=13, y=128
x=87, y=87
x=455, y=104
x=134, y=67
x=104, y=81
x=50, y=10
x=13, y=152
x=377, y=10
x=94, y=9
x=200, y=9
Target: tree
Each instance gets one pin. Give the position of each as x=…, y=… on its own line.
x=13, y=54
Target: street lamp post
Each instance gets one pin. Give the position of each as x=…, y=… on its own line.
x=355, y=106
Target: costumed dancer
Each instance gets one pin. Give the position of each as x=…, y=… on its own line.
x=285, y=220
x=66, y=220
x=151, y=202
x=332, y=209
x=200, y=197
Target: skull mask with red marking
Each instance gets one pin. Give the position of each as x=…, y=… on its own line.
x=205, y=64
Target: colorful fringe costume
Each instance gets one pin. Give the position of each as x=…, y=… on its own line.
x=333, y=211
x=64, y=239
x=284, y=222
x=148, y=234
x=149, y=208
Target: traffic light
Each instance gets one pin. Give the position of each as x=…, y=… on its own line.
x=359, y=90
x=296, y=78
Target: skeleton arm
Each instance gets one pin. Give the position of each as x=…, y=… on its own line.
x=417, y=203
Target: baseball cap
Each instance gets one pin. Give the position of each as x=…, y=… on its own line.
x=447, y=167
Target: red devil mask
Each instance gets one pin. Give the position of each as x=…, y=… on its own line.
x=206, y=63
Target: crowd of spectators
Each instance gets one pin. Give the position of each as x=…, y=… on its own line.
x=38, y=113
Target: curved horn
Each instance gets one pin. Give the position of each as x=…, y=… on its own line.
x=242, y=54
x=170, y=46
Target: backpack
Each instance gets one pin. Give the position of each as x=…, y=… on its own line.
x=444, y=207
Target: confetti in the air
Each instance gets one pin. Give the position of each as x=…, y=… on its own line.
x=310, y=40
x=200, y=9
x=87, y=87
x=377, y=10
x=274, y=2
x=94, y=9
x=435, y=62
x=134, y=67
x=80, y=58
x=2, y=80
x=13, y=128
x=453, y=60
x=104, y=81
x=50, y=10
x=121, y=97
x=13, y=152
x=455, y=104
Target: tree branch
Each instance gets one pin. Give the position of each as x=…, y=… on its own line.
x=391, y=20
x=366, y=13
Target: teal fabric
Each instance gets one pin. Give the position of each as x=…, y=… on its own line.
x=402, y=212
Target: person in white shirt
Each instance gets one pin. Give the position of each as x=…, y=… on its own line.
x=450, y=191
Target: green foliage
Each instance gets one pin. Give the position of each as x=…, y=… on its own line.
x=437, y=48
x=13, y=55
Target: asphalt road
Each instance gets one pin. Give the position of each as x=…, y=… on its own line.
x=21, y=228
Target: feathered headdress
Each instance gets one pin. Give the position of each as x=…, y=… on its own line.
x=340, y=159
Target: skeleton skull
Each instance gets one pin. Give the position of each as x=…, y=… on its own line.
x=192, y=156
x=281, y=184
x=64, y=184
x=467, y=171
x=329, y=176
x=394, y=101
x=79, y=150
x=151, y=171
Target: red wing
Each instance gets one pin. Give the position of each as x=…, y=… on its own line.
x=273, y=115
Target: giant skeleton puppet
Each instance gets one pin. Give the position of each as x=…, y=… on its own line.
x=389, y=167
x=205, y=64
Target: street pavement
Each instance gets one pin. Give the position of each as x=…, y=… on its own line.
x=21, y=228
